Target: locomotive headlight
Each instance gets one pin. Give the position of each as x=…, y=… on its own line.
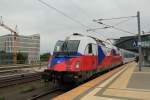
x=77, y=65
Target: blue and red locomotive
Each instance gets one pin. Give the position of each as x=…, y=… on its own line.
x=79, y=57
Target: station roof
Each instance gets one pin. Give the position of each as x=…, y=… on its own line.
x=128, y=42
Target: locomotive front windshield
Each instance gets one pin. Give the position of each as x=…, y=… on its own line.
x=68, y=47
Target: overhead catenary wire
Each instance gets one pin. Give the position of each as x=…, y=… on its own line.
x=116, y=28
x=84, y=13
x=108, y=26
x=121, y=22
x=62, y=13
x=79, y=8
x=112, y=26
x=116, y=18
x=85, y=26
x=97, y=28
x=65, y=15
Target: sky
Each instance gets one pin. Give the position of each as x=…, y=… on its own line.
x=33, y=17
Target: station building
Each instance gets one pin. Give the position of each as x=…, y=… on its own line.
x=131, y=43
x=29, y=46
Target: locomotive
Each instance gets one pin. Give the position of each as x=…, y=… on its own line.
x=79, y=57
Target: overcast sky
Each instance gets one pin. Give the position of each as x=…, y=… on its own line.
x=33, y=17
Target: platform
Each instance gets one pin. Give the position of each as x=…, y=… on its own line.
x=123, y=83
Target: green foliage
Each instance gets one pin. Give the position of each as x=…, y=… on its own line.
x=2, y=98
x=22, y=57
x=2, y=52
x=45, y=56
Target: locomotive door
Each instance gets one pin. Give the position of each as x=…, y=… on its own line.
x=91, y=56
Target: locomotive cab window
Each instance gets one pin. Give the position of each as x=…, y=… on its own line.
x=71, y=45
x=91, y=49
x=66, y=48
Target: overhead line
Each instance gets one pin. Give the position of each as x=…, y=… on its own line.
x=97, y=28
x=115, y=18
x=112, y=26
x=82, y=10
x=78, y=7
x=67, y=16
x=121, y=22
x=123, y=30
x=116, y=28
x=62, y=13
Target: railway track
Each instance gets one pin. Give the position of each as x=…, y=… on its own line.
x=38, y=96
x=16, y=67
x=10, y=80
x=9, y=71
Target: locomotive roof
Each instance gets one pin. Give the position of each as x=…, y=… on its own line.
x=89, y=39
x=85, y=40
x=81, y=38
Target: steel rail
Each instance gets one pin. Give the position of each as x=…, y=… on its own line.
x=43, y=94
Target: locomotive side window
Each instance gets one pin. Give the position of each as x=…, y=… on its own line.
x=91, y=49
x=88, y=49
x=58, y=46
x=114, y=52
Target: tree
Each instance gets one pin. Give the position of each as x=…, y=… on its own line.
x=21, y=57
x=45, y=56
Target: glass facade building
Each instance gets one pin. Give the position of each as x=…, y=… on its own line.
x=29, y=45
